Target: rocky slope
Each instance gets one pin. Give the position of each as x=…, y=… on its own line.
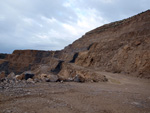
x=22, y=60
x=122, y=46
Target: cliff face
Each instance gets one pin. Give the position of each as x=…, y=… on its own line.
x=124, y=30
x=122, y=46
x=23, y=60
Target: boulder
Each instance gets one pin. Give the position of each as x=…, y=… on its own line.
x=11, y=75
x=30, y=80
x=2, y=75
x=42, y=76
x=47, y=80
x=20, y=77
x=71, y=72
x=48, y=77
x=78, y=78
x=27, y=76
x=53, y=78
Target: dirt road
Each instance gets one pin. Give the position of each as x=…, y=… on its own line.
x=121, y=94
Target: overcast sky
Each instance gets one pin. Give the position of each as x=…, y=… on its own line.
x=53, y=24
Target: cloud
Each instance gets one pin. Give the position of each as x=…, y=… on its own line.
x=52, y=25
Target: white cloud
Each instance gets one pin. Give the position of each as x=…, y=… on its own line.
x=90, y=19
x=48, y=20
x=42, y=36
x=107, y=1
x=37, y=24
x=67, y=4
x=70, y=29
x=28, y=21
x=87, y=20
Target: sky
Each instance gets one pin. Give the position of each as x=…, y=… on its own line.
x=53, y=24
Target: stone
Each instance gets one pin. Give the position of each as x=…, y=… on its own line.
x=42, y=76
x=47, y=80
x=49, y=77
x=19, y=77
x=11, y=75
x=78, y=78
x=53, y=78
x=37, y=80
x=2, y=75
x=30, y=80
x=27, y=76
x=137, y=43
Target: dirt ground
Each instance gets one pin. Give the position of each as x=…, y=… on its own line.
x=121, y=94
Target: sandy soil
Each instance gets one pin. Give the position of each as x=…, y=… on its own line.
x=121, y=94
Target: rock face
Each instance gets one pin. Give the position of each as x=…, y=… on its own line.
x=23, y=60
x=120, y=47
x=3, y=56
